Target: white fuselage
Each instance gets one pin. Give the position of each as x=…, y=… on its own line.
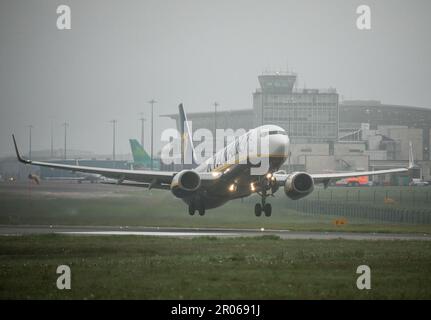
x=264, y=148
x=256, y=146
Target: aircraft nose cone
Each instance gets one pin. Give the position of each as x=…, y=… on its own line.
x=278, y=145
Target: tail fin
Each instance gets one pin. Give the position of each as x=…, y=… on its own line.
x=411, y=159
x=139, y=154
x=187, y=148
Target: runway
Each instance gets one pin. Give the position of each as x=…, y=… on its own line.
x=18, y=230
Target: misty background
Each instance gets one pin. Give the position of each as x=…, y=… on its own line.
x=121, y=54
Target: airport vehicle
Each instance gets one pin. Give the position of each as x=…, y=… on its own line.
x=33, y=177
x=229, y=173
x=418, y=183
x=141, y=159
x=353, y=182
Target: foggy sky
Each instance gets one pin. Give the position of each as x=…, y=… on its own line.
x=120, y=54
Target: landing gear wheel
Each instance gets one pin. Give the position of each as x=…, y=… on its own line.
x=258, y=209
x=202, y=211
x=192, y=210
x=267, y=209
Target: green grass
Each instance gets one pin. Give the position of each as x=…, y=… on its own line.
x=140, y=207
x=208, y=268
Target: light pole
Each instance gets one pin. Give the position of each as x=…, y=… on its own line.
x=152, y=102
x=215, y=126
x=52, y=142
x=65, y=125
x=142, y=128
x=114, y=123
x=29, y=140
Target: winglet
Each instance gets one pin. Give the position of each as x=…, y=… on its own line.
x=20, y=159
x=411, y=159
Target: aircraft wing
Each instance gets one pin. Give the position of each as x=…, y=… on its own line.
x=327, y=177
x=323, y=177
x=155, y=179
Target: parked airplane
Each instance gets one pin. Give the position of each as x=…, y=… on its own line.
x=225, y=176
x=141, y=159
x=79, y=177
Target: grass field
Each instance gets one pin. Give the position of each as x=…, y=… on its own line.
x=123, y=206
x=200, y=268
x=210, y=268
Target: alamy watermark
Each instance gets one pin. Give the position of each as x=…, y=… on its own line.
x=64, y=18
x=227, y=147
x=363, y=21
x=65, y=278
x=364, y=280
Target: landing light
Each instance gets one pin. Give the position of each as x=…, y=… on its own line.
x=252, y=187
x=269, y=175
x=232, y=187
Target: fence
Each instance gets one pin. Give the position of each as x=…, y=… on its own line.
x=400, y=196
x=363, y=211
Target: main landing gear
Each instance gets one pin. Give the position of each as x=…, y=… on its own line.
x=193, y=208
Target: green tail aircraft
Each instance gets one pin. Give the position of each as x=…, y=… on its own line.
x=141, y=157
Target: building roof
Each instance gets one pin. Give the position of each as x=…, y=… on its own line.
x=378, y=104
x=211, y=113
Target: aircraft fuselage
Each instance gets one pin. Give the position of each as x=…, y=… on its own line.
x=236, y=162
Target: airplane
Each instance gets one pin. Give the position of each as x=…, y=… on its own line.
x=223, y=177
x=141, y=159
x=92, y=178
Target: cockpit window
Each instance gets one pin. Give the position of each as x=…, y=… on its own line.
x=272, y=132
x=277, y=132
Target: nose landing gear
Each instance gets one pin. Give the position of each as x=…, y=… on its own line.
x=264, y=207
x=258, y=209
x=267, y=208
x=268, y=183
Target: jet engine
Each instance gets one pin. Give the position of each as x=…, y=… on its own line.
x=185, y=183
x=298, y=185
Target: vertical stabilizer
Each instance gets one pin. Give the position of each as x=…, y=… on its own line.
x=187, y=148
x=140, y=157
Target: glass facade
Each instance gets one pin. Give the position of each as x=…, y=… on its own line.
x=308, y=115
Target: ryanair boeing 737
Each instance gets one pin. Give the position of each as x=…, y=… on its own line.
x=225, y=175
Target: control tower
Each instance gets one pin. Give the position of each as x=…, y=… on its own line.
x=277, y=83
x=308, y=115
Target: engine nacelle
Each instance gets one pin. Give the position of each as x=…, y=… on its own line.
x=185, y=183
x=298, y=185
